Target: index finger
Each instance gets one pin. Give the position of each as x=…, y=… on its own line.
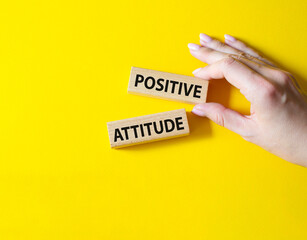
x=251, y=84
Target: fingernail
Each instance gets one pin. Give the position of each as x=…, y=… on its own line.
x=229, y=38
x=193, y=46
x=205, y=37
x=198, y=112
x=196, y=70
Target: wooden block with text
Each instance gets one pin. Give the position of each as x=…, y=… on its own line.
x=148, y=128
x=167, y=85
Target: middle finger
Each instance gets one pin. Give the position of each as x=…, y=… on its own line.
x=217, y=45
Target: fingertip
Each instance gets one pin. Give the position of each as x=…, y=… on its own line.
x=196, y=71
x=199, y=110
x=193, y=46
x=229, y=38
x=205, y=38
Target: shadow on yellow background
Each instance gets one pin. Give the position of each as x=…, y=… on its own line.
x=219, y=91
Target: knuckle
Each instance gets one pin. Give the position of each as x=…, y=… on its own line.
x=220, y=120
x=282, y=77
x=269, y=91
x=219, y=45
x=250, y=57
x=205, y=50
x=229, y=61
x=219, y=117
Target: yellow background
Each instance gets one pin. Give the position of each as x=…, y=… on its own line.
x=64, y=73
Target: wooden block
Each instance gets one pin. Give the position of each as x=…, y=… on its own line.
x=167, y=86
x=148, y=128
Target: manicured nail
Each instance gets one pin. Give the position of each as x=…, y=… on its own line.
x=229, y=38
x=196, y=70
x=193, y=46
x=205, y=37
x=198, y=112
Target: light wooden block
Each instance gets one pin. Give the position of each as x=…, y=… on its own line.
x=148, y=128
x=167, y=86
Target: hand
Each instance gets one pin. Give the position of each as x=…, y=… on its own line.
x=278, y=113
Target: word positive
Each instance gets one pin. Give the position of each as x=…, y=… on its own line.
x=167, y=85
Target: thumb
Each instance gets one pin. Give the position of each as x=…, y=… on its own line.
x=225, y=117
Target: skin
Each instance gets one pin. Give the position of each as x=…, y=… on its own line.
x=278, y=113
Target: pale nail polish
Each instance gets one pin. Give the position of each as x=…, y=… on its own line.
x=193, y=46
x=205, y=37
x=229, y=38
x=198, y=112
x=196, y=70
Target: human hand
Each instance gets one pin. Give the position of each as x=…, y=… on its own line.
x=278, y=113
